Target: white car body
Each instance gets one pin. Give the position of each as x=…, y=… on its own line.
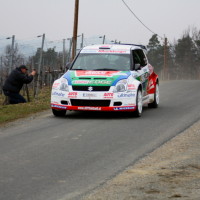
x=112, y=87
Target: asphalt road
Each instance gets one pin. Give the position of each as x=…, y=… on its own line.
x=50, y=158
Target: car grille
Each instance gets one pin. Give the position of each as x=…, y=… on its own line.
x=95, y=103
x=94, y=88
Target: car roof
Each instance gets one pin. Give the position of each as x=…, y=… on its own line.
x=113, y=47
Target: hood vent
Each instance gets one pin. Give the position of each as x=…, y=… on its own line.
x=85, y=78
x=99, y=78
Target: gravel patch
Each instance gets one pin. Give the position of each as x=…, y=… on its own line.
x=170, y=172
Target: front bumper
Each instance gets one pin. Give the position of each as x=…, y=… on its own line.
x=93, y=101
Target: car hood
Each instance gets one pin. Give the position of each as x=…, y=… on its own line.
x=95, y=78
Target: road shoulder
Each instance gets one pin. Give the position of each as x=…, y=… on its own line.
x=26, y=119
x=170, y=172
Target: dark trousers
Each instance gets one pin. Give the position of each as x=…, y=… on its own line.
x=15, y=98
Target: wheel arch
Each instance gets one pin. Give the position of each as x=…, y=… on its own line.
x=157, y=81
x=140, y=87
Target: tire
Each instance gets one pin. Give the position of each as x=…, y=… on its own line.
x=155, y=103
x=59, y=113
x=138, y=111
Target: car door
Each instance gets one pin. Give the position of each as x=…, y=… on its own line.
x=141, y=67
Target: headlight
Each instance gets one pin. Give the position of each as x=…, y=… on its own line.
x=64, y=85
x=121, y=86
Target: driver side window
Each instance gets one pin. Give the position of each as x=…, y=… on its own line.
x=139, y=57
x=136, y=58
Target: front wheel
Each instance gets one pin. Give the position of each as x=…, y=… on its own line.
x=138, y=111
x=59, y=113
x=156, y=100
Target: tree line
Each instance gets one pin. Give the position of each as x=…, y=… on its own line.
x=180, y=60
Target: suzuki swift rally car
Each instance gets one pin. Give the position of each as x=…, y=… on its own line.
x=107, y=78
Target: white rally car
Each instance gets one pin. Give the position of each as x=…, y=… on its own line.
x=113, y=77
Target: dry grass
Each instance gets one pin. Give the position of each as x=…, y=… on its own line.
x=11, y=112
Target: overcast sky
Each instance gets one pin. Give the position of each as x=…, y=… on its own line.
x=29, y=18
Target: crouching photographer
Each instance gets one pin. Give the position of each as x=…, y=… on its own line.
x=14, y=83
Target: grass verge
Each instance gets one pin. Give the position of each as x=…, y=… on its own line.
x=12, y=112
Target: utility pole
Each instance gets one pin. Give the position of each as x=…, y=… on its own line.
x=103, y=42
x=1, y=77
x=70, y=49
x=64, y=62
x=40, y=65
x=165, y=59
x=11, y=54
x=82, y=37
x=75, y=29
x=104, y=39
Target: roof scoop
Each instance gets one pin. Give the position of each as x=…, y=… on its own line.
x=105, y=47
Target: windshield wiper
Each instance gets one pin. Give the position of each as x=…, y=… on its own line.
x=78, y=69
x=105, y=69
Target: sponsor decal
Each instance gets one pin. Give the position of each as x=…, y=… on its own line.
x=55, y=85
x=150, y=85
x=96, y=73
x=89, y=108
x=108, y=95
x=72, y=94
x=81, y=82
x=131, y=87
x=125, y=108
x=89, y=95
x=57, y=106
x=129, y=104
x=91, y=82
x=120, y=74
x=102, y=82
x=60, y=94
x=89, y=51
x=112, y=51
x=104, y=50
x=125, y=95
x=55, y=102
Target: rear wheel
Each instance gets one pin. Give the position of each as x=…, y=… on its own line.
x=155, y=103
x=138, y=111
x=59, y=113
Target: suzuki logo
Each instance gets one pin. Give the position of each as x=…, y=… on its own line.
x=90, y=88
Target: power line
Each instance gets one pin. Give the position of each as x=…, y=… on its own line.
x=139, y=19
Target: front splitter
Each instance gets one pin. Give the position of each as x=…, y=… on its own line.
x=91, y=108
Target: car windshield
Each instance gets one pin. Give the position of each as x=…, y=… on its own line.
x=106, y=62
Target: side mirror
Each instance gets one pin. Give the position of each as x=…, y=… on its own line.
x=68, y=65
x=137, y=66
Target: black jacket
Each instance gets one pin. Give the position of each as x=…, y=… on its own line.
x=15, y=81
